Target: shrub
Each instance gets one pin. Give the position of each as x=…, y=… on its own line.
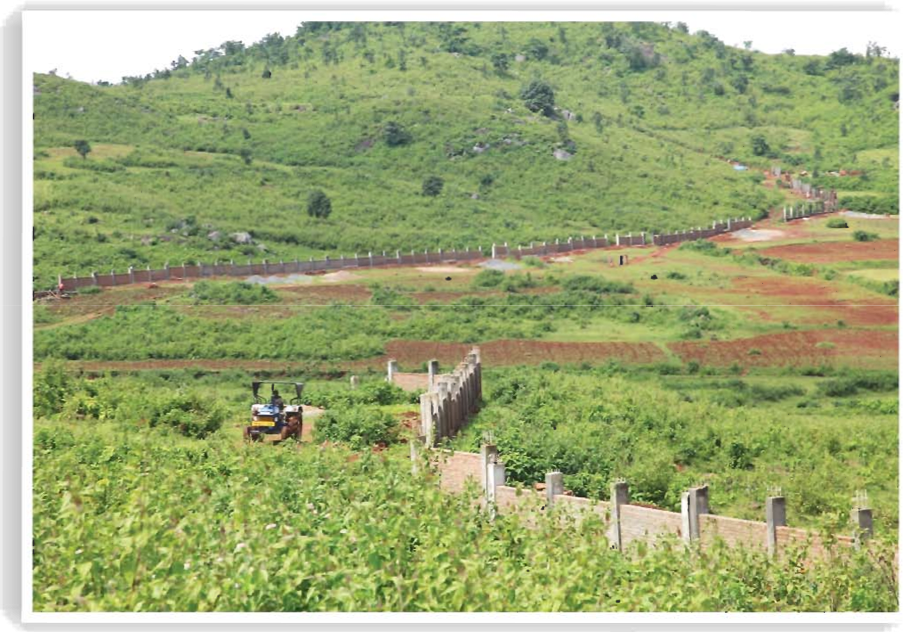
x=432, y=186
x=705, y=247
x=861, y=235
x=396, y=135
x=232, y=293
x=837, y=222
x=318, y=204
x=488, y=279
x=595, y=284
x=538, y=96
x=191, y=414
x=359, y=426
x=52, y=385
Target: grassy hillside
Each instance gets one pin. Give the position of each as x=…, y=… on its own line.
x=236, y=140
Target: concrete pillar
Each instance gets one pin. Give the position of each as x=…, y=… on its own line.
x=729, y=224
x=184, y=271
x=166, y=270
x=493, y=251
x=432, y=433
x=355, y=382
x=693, y=503
x=488, y=454
x=398, y=255
x=416, y=445
x=554, y=486
x=131, y=274
x=861, y=516
x=495, y=477
x=620, y=495
x=775, y=516
x=643, y=238
x=444, y=409
x=617, y=239
x=433, y=370
x=427, y=418
x=391, y=370
x=94, y=280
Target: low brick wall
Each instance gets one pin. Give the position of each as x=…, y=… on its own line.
x=198, y=270
x=733, y=531
x=627, y=523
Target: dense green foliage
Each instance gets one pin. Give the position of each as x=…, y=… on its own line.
x=365, y=112
x=139, y=522
x=740, y=437
x=231, y=293
x=837, y=222
x=358, y=426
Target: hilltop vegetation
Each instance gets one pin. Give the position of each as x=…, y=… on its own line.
x=428, y=135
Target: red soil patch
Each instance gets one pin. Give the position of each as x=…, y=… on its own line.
x=875, y=348
x=508, y=352
x=834, y=251
x=818, y=295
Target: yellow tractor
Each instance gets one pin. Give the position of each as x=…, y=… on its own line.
x=275, y=417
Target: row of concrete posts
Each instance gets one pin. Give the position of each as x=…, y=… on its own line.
x=694, y=503
x=451, y=398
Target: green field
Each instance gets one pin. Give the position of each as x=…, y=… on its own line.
x=750, y=366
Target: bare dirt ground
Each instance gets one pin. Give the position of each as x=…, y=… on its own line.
x=866, y=349
x=834, y=251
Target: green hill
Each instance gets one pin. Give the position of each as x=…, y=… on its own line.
x=644, y=115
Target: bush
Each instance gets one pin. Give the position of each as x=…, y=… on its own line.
x=595, y=284
x=861, y=235
x=396, y=135
x=318, y=204
x=432, y=186
x=359, y=426
x=538, y=96
x=837, y=222
x=705, y=247
x=232, y=293
x=191, y=414
x=488, y=279
x=52, y=385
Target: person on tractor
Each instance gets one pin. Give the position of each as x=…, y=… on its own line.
x=276, y=402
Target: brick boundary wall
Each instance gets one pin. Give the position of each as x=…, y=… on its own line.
x=826, y=202
x=451, y=398
x=627, y=523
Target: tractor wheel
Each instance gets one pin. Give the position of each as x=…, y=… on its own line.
x=284, y=434
x=298, y=431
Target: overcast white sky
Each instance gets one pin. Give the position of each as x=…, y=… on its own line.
x=107, y=45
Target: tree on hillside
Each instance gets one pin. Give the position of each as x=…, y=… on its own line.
x=318, y=204
x=841, y=57
x=245, y=154
x=759, y=145
x=432, y=186
x=82, y=147
x=537, y=49
x=500, y=61
x=396, y=135
x=538, y=96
